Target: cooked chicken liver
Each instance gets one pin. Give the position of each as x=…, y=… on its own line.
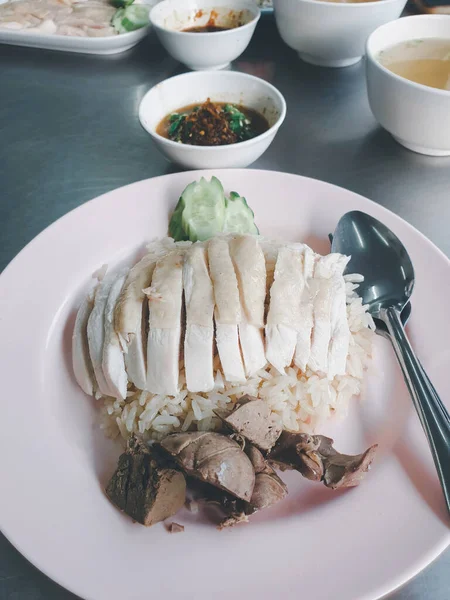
x=143, y=489
x=149, y=487
x=316, y=459
x=268, y=490
x=256, y=458
x=254, y=420
x=213, y=458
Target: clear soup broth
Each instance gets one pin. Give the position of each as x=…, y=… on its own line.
x=424, y=61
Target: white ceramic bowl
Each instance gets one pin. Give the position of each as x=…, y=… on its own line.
x=221, y=86
x=200, y=51
x=332, y=34
x=417, y=116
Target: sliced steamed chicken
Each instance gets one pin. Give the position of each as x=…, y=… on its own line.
x=322, y=290
x=329, y=301
x=113, y=363
x=283, y=319
x=333, y=266
x=250, y=268
x=270, y=249
x=227, y=309
x=130, y=319
x=96, y=332
x=340, y=331
x=163, y=345
x=82, y=365
x=199, y=336
x=303, y=347
x=129, y=306
x=136, y=354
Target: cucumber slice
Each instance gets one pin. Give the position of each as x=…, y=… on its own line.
x=130, y=18
x=200, y=212
x=239, y=217
x=116, y=20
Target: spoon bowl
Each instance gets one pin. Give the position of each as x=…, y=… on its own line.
x=377, y=253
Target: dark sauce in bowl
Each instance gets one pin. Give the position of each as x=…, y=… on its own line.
x=212, y=124
x=217, y=22
x=205, y=29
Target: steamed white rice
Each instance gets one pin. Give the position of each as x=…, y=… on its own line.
x=304, y=400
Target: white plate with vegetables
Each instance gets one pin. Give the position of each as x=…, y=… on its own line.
x=57, y=461
x=266, y=6
x=83, y=26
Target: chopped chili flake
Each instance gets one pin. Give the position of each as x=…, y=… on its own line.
x=212, y=124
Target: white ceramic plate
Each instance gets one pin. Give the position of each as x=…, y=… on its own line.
x=352, y=545
x=112, y=44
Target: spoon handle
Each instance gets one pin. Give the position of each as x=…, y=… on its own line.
x=432, y=413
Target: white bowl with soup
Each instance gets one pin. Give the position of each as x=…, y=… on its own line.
x=238, y=129
x=332, y=34
x=408, y=81
x=205, y=34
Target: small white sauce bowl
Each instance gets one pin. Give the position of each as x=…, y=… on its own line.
x=332, y=34
x=417, y=116
x=220, y=86
x=201, y=51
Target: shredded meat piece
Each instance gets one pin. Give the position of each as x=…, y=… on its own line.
x=207, y=126
x=175, y=528
x=315, y=458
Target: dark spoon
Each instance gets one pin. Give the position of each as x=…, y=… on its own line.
x=388, y=272
x=382, y=331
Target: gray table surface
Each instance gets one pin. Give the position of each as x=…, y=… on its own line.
x=69, y=132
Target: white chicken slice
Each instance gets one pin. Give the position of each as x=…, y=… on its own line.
x=128, y=313
x=321, y=333
x=71, y=31
x=163, y=344
x=82, y=366
x=283, y=319
x=227, y=309
x=250, y=267
x=340, y=331
x=113, y=363
x=47, y=27
x=330, y=265
x=199, y=336
x=135, y=357
x=303, y=347
x=270, y=249
x=327, y=281
x=251, y=339
x=96, y=332
x=100, y=32
x=13, y=25
x=227, y=340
